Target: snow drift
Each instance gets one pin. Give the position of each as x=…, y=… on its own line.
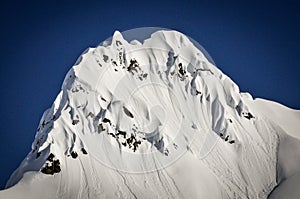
x=157, y=119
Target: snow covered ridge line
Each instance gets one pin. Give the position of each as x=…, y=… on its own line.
x=155, y=118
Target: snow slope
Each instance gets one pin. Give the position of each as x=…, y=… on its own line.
x=156, y=119
x=288, y=169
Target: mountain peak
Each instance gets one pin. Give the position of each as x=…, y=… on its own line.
x=133, y=113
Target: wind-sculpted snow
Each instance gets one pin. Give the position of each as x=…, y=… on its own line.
x=151, y=119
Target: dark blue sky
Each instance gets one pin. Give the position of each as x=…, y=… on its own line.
x=257, y=44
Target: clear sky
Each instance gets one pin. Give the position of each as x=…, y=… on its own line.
x=256, y=43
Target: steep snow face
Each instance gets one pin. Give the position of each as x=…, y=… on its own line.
x=150, y=120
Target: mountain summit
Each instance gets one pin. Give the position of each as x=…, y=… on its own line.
x=157, y=119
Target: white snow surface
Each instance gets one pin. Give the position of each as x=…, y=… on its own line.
x=156, y=119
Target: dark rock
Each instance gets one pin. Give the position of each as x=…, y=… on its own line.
x=166, y=152
x=56, y=166
x=38, y=154
x=118, y=43
x=100, y=128
x=84, y=151
x=181, y=71
x=129, y=141
x=74, y=154
x=175, y=145
x=136, y=144
x=248, y=115
x=105, y=120
x=133, y=66
x=47, y=170
x=113, y=135
x=127, y=112
x=74, y=122
x=43, y=124
x=123, y=133
x=50, y=157
x=53, y=167
x=227, y=137
x=105, y=58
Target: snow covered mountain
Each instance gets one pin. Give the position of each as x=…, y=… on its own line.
x=157, y=119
